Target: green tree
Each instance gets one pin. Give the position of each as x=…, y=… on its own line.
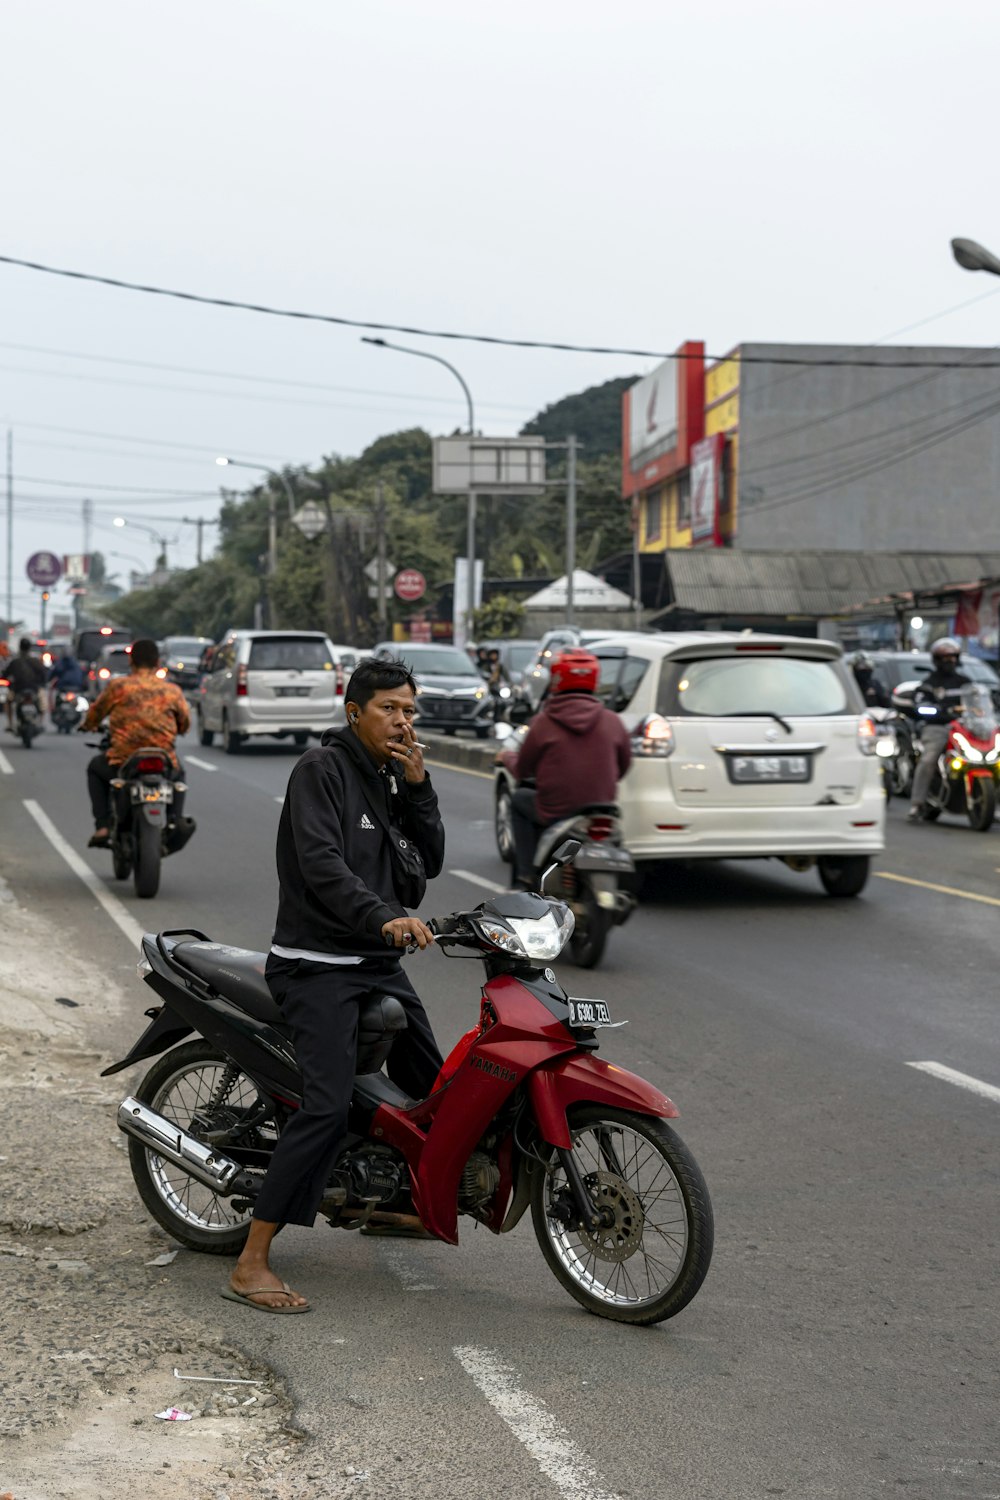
x=498, y=619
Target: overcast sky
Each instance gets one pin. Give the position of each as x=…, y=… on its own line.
x=632, y=175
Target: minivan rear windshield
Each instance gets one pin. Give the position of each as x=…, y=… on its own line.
x=290, y=654
x=723, y=686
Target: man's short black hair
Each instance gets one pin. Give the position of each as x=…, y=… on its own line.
x=145, y=653
x=24, y=644
x=377, y=675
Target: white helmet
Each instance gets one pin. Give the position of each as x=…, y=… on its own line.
x=946, y=646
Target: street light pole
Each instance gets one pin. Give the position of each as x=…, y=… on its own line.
x=156, y=535
x=470, y=519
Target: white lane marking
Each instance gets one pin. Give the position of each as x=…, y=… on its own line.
x=411, y=1279
x=488, y=885
x=531, y=1422
x=115, y=910
x=962, y=1080
x=6, y=769
x=203, y=765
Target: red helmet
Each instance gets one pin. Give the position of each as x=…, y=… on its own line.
x=574, y=672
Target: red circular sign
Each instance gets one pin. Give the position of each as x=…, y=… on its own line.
x=409, y=584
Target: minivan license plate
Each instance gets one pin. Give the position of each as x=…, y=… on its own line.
x=769, y=767
x=292, y=692
x=588, y=1013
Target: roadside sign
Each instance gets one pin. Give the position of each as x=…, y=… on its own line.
x=44, y=569
x=310, y=518
x=410, y=584
x=76, y=567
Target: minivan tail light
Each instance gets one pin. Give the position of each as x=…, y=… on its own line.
x=653, y=737
x=339, y=685
x=241, y=681
x=868, y=736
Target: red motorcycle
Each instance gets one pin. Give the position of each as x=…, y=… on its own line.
x=966, y=774
x=523, y=1114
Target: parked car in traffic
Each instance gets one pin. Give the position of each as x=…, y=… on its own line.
x=278, y=684
x=451, y=693
x=112, y=661
x=892, y=669
x=744, y=747
x=535, y=678
x=181, y=656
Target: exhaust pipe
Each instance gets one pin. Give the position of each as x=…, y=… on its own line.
x=223, y=1175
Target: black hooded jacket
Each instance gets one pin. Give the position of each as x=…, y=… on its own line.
x=335, y=890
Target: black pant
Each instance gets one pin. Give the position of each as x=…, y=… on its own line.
x=100, y=775
x=526, y=826
x=320, y=1003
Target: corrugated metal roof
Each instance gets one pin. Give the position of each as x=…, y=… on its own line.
x=726, y=581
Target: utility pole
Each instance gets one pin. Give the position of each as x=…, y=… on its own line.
x=570, y=523
x=200, y=523
x=10, y=531
x=383, y=612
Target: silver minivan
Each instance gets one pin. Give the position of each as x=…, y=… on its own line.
x=281, y=683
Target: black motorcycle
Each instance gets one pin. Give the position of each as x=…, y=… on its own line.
x=144, y=828
x=591, y=882
x=27, y=716
x=69, y=710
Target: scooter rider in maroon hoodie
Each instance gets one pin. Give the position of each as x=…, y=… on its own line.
x=576, y=750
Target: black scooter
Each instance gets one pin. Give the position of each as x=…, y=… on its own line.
x=144, y=826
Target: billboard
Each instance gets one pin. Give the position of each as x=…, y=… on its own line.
x=485, y=466
x=706, y=474
x=653, y=425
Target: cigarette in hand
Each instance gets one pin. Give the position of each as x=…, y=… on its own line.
x=418, y=746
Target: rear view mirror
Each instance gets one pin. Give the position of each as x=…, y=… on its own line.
x=568, y=849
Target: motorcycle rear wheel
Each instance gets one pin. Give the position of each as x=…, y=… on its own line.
x=147, y=858
x=649, y=1262
x=981, y=804
x=586, y=946
x=178, y=1084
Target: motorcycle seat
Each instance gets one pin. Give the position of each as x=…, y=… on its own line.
x=237, y=973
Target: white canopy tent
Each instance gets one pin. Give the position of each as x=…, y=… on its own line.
x=589, y=592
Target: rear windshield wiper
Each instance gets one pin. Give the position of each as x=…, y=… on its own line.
x=760, y=713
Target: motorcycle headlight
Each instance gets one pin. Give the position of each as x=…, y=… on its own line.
x=970, y=752
x=529, y=937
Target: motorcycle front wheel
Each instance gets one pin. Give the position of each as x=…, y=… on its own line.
x=190, y=1078
x=981, y=803
x=653, y=1250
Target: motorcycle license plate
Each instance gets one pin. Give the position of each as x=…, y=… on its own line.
x=770, y=768
x=588, y=1013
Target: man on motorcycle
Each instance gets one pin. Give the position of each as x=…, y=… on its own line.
x=576, y=750
x=142, y=710
x=940, y=691
x=339, y=909
x=65, y=676
x=864, y=675
x=26, y=674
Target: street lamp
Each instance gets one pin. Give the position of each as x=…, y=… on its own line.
x=470, y=527
x=157, y=536
x=973, y=257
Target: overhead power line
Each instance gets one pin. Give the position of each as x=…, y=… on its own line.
x=469, y=338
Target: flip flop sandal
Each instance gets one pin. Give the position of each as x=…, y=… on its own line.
x=231, y=1295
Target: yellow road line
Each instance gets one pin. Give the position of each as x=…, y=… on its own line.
x=443, y=765
x=943, y=890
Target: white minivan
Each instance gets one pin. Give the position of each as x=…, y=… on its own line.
x=744, y=746
x=276, y=683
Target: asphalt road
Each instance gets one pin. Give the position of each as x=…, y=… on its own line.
x=845, y=1342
